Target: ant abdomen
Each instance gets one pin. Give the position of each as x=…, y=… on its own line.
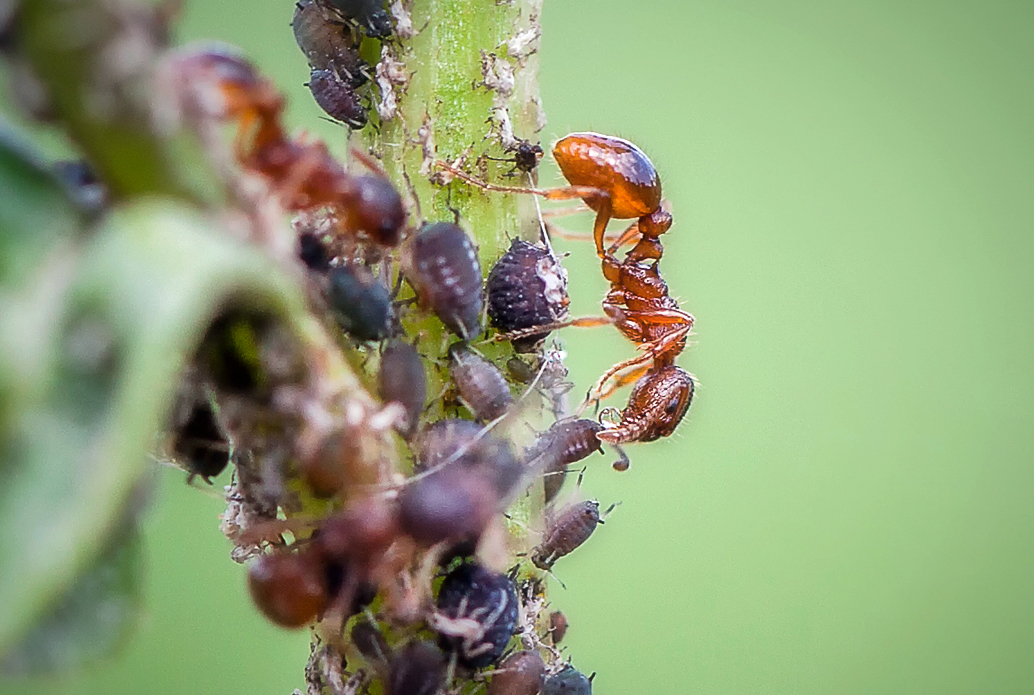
x=613, y=165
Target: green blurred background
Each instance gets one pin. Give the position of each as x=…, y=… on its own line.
x=848, y=506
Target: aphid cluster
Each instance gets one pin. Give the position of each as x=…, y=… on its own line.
x=329, y=33
x=400, y=569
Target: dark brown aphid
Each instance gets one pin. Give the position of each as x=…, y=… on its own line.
x=656, y=406
x=442, y=265
x=327, y=43
x=521, y=673
x=527, y=287
x=455, y=503
x=481, y=385
x=565, y=443
x=465, y=443
x=476, y=614
x=289, y=587
x=361, y=532
x=417, y=669
x=568, y=681
x=557, y=626
x=337, y=97
x=200, y=444
x=565, y=531
x=526, y=156
x=370, y=15
x=327, y=468
x=402, y=380
x=313, y=252
x=360, y=303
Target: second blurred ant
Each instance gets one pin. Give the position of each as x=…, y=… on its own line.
x=225, y=87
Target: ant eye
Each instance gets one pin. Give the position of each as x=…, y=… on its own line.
x=673, y=406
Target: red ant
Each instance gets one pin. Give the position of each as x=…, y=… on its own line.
x=616, y=179
x=228, y=88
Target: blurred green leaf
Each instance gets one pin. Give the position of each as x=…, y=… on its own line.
x=148, y=286
x=92, y=620
x=35, y=213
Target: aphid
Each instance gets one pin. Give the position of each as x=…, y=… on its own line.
x=476, y=614
x=417, y=669
x=526, y=156
x=218, y=86
x=462, y=442
x=313, y=252
x=401, y=379
x=527, y=287
x=369, y=641
x=565, y=531
x=481, y=385
x=337, y=97
x=520, y=371
x=569, y=681
x=557, y=626
x=657, y=404
x=442, y=266
x=361, y=304
x=327, y=43
x=565, y=443
x=361, y=532
x=454, y=503
x=200, y=444
x=521, y=673
x=326, y=468
x=288, y=587
x=370, y=15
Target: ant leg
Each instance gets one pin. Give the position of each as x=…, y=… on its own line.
x=581, y=322
x=562, y=193
x=626, y=237
x=643, y=359
x=625, y=379
x=599, y=227
x=564, y=212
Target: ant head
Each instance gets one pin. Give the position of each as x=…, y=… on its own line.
x=655, y=224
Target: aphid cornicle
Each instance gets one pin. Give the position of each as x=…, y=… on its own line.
x=521, y=673
x=476, y=614
x=401, y=379
x=481, y=385
x=527, y=287
x=288, y=586
x=442, y=265
x=569, y=681
x=361, y=304
x=419, y=668
x=565, y=531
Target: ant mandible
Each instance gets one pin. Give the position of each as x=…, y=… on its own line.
x=225, y=87
x=616, y=179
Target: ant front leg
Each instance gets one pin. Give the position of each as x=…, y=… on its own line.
x=581, y=322
x=640, y=364
x=562, y=193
